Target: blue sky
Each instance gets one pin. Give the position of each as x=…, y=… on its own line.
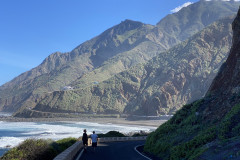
x=30, y=30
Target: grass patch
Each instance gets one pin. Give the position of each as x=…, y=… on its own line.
x=111, y=134
x=119, y=134
x=187, y=135
x=169, y=141
x=38, y=149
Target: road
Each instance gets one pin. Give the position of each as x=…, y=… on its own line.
x=114, y=151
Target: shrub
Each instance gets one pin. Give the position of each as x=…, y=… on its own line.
x=31, y=149
x=229, y=126
x=169, y=141
x=112, y=134
x=141, y=133
x=63, y=144
x=193, y=147
x=38, y=149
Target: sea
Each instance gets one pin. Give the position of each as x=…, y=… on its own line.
x=13, y=133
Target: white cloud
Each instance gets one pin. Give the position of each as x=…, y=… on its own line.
x=189, y=3
x=224, y=0
x=180, y=7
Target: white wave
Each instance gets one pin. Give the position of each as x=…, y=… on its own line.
x=59, y=130
x=7, y=142
x=104, y=128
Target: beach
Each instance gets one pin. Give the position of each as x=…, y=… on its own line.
x=119, y=121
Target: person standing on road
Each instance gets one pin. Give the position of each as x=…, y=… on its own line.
x=94, y=138
x=85, y=139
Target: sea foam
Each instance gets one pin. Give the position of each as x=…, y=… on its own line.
x=13, y=133
x=7, y=142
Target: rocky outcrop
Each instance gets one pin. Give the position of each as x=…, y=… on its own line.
x=227, y=80
x=207, y=128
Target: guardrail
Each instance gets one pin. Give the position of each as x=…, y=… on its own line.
x=118, y=139
x=71, y=152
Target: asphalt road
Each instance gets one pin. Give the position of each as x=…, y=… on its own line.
x=114, y=151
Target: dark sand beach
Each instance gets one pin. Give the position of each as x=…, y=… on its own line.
x=123, y=121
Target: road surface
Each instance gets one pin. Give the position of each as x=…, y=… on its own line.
x=114, y=151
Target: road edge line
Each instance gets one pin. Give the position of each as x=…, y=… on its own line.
x=80, y=154
x=141, y=153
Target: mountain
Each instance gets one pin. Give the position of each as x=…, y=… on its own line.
x=170, y=31
x=161, y=86
x=208, y=128
x=184, y=73
x=59, y=70
x=196, y=17
x=115, y=50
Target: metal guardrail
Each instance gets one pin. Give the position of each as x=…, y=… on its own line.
x=71, y=152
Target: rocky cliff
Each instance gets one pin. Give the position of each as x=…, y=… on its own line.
x=159, y=87
x=208, y=128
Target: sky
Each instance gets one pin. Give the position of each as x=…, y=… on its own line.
x=31, y=30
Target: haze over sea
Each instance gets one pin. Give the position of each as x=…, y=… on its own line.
x=13, y=133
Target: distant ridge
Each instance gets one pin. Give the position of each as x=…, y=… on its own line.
x=115, y=50
x=158, y=87
x=209, y=127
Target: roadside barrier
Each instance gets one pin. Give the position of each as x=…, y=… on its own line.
x=71, y=152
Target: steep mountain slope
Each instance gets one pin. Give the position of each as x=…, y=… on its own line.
x=184, y=73
x=172, y=29
x=196, y=17
x=161, y=86
x=208, y=128
x=115, y=50
x=59, y=70
x=139, y=54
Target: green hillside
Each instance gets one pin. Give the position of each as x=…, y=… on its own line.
x=158, y=87
x=59, y=70
x=208, y=128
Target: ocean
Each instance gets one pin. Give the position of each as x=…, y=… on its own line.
x=13, y=133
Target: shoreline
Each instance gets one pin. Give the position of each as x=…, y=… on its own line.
x=118, y=121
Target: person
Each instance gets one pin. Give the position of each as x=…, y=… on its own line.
x=85, y=139
x=94, y=138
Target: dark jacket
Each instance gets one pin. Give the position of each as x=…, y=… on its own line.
x=85, y=137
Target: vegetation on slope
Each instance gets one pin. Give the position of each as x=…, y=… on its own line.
x=208, y=128
x=160, y=86
x=38, y=149
x=188, y=135
x=59, y=70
